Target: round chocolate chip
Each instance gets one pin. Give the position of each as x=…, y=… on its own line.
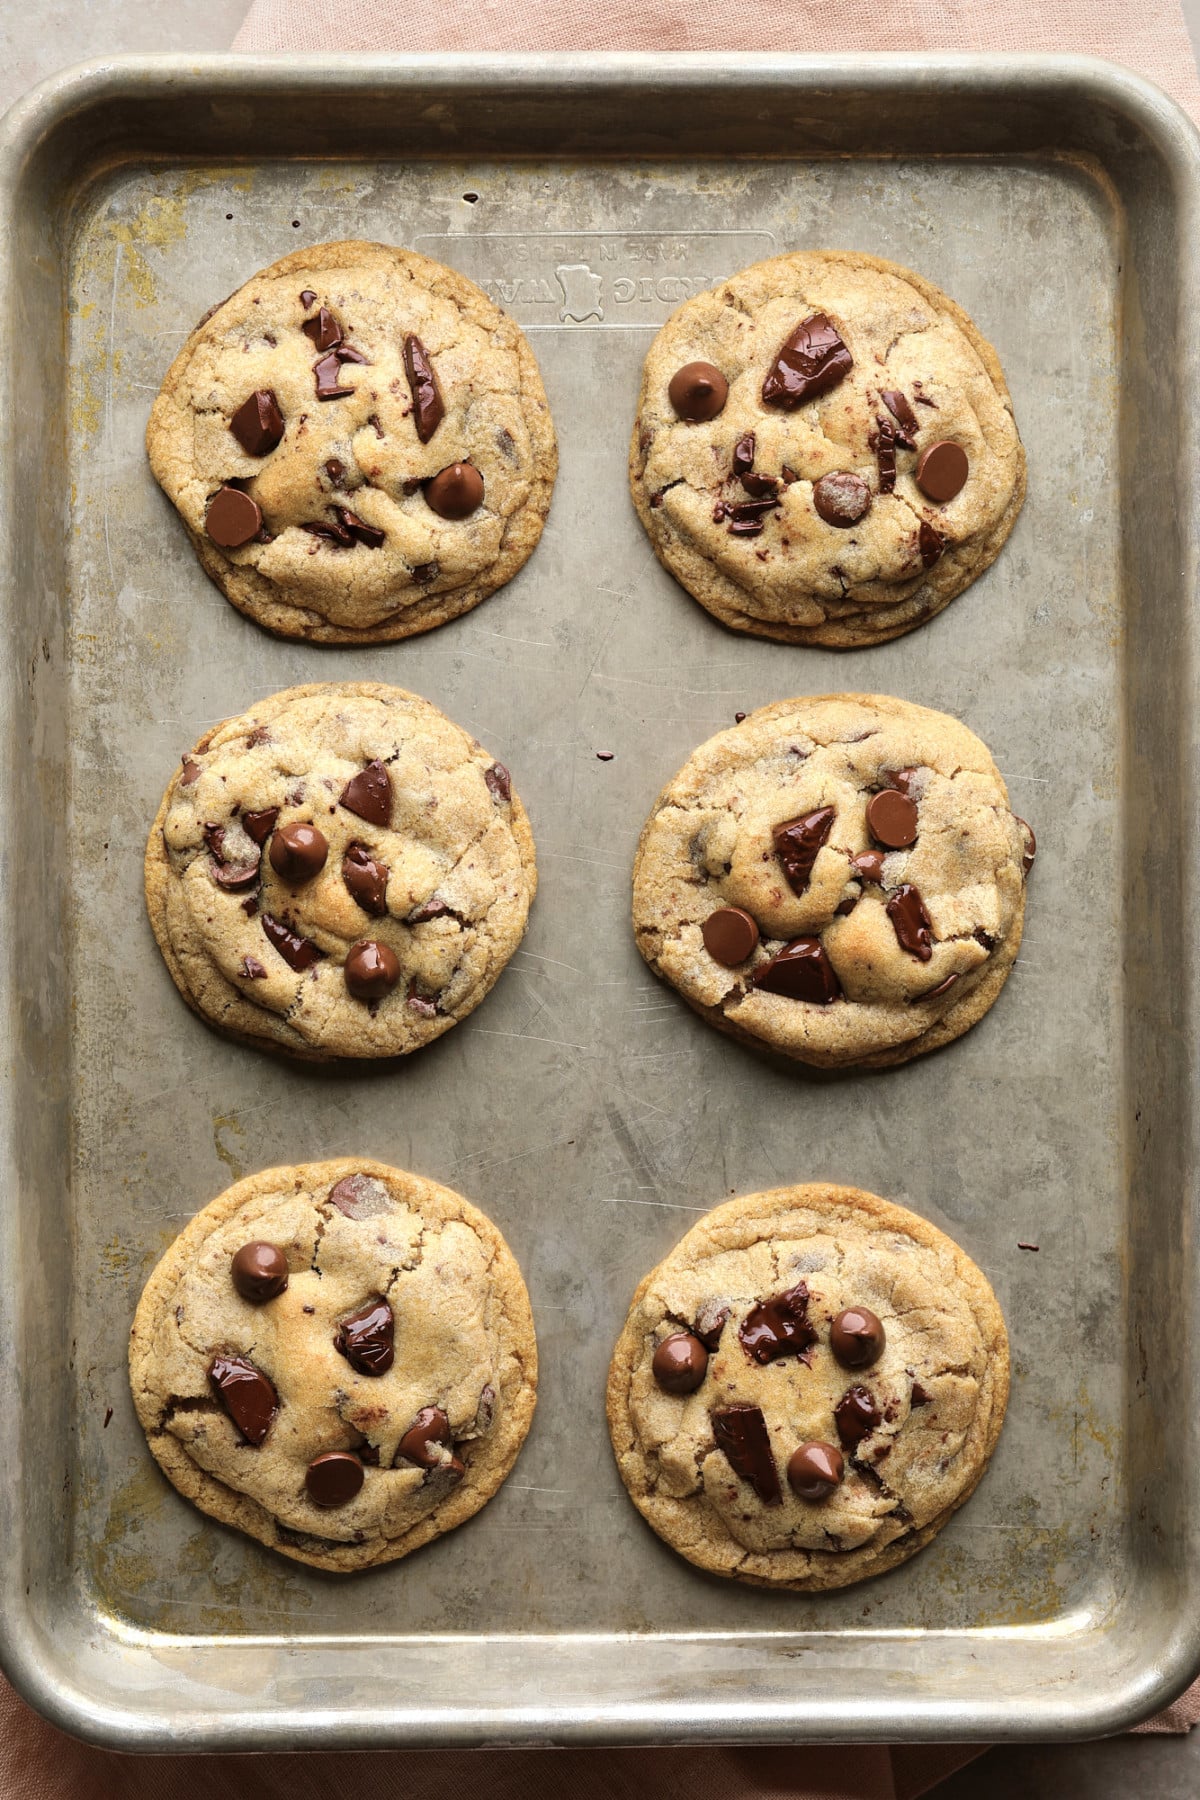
x=841, y=498
x=698, y=392
x=259, y=1271
x=857, y=1338
x=232, y=519
x=892, y=819
x=334, y=1479
x=454, y=492
x=298, y=852
x=372, y=970
x=730, y=935
x=942, y=468
x=680, y=1363
x=815, y=1470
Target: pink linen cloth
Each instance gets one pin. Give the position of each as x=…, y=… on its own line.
x=38, y=1762
x=1150, y=38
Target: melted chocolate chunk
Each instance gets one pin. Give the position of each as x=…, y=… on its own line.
x=1030, y=850
x=778, y=1327
x=369, y=535
x=499, y=782
x=246, y=1394
x=335, y=469
x=328, y=373
x=366, y=879
x=892, y=819
x=360, y=1196
x=428, y=408
x=710, y=1323
x=335, y=1478
x=918, y=1396
x=234, y=876
x=298, y=953
x=426, y=1008
x=259, y=1272
x=332, y=530
x=258, y=423
x=429, y=1432
x=743, y=454
x=307, y=298
x=841, y=498
x=801, y=971
x=455, y=491
x=259, y=825
x=813, y=360
x=856, y=1416
x=324, y=330
x=298, y=852
x=371, y=970
x=931, y=543
x=868, y=866
x=911, y=923
x=740, y=1432
x=233, y=518
x=368, y=795
x=191, y=771
x=943, y=987
x=814, y=1471
x=760, y=487
x=797, y=842
x=433, y=908
x=885, y=456
x=903, y=414
x=252, y=969
x=730, y=936
x=697, y=392
x=857, y=1337
x=365, y=1338
x=680, y=1363
x=751, y=512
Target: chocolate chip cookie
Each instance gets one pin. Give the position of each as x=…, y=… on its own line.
x=338, y=1359
x=839, y=879
x=824, y=450
x=359, y=444
x=807, y=1387
x=342, y=871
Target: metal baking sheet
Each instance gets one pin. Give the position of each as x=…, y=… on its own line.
x=584, y=1106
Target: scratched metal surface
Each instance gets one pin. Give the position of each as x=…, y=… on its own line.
x=583, y=1106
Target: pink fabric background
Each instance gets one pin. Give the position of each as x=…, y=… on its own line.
x=36, y=1761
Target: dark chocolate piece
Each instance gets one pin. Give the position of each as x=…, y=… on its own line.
x=371, y=970
x=740, y=1432
x=697, y=392
x=813, y=360
x=233, y=518
x=801, y=971
x=368, y=795
x=334, y=1478
x=428, y=407
x=365, y=1338
x=797, y=842
x=856, y=1416
x=778, y=1327
x=298, y=852
x=246, y=1394
x=366, y=879
x=298, y=953
x=911, y=923
x=258, y=423
x=814, y=1471
x=730, y=936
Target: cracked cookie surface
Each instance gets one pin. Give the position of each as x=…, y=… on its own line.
x=303, y=398
x=350, y=1235
x=340, y=871
x=781, y=844
x=908, y=1447
x=775, y=513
